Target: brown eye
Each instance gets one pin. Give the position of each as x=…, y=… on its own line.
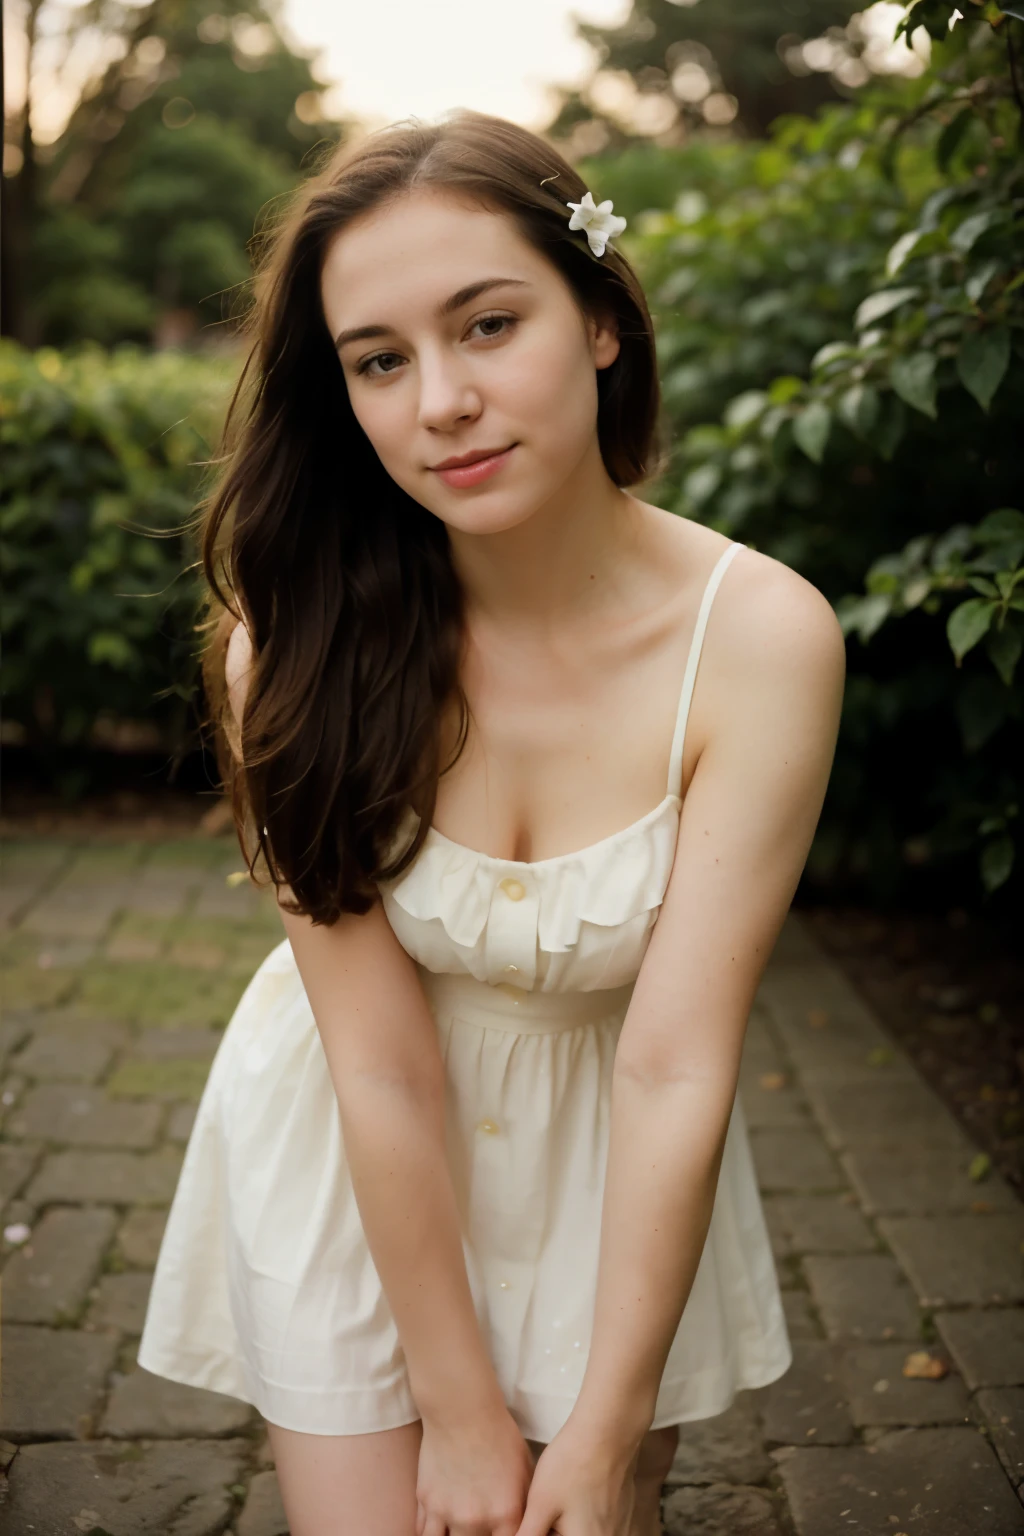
x=501, y=323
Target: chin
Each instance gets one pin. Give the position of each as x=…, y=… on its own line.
x=481, y=516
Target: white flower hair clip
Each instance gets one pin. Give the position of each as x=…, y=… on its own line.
x=598, y=220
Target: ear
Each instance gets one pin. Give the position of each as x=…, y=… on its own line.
x=604, y=338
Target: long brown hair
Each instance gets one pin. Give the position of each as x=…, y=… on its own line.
x=346, y=583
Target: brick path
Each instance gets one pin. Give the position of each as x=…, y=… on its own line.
x=122, y=963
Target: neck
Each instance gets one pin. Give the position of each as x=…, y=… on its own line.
x=563, y=562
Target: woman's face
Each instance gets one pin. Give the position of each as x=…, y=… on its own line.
x=458, y=339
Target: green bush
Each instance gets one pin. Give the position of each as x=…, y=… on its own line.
x=882, y=457
x=101, y=472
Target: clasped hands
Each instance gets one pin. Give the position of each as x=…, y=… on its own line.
x=478, y=1478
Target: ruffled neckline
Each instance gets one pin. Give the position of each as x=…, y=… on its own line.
x=606, y=883
x=557, y=858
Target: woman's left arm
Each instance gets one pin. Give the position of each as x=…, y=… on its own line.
x=770, y=698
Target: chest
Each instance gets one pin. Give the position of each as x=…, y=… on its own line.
x=567, y=743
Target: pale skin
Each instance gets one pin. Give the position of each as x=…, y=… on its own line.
x=580, y=602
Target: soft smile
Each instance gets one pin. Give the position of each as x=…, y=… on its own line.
x=471, y=468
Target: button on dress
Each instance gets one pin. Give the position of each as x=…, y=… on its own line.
x=265, y=1288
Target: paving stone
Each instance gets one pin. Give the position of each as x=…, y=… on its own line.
x=263, y=1514
x=46, y=1280
x=1002, y=1410
x=182, y=1489
x=879, y=1393
x=782, y=1248
x=80, y=1116
x=855, y=1112
x=67, y=1058
x=960, y=1260
x=178, y=1045
x=183, y=1118
x=776, y=1109
x=723, y=1449
x=720, y=1510
x=165, y=1081
x=16, y=1165
x=807, y=1404
x=988, y=1347
x=801, y=1320
x=83, y=915
x=14, y=1029
x=939, y=1482
x=792, y=992
x=147, y=1407
x=862, y=1296
x=138, y=1241
x=900, y=1174
x=824, y=1224
x=53, y=1381
x=121, y=1301
x=794, y=1160
x=114, y=1178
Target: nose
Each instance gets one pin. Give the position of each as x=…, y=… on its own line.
x=448, y=393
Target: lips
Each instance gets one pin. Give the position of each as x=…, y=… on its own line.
x=472, y=468
x=459, y=461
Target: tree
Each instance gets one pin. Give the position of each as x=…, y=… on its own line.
x=142, y=211
x=696, y=62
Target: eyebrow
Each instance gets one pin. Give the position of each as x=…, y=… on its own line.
x=456, y=301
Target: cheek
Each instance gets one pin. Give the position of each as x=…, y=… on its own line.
x=552, y=386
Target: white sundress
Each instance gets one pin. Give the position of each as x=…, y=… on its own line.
x=265, y=1288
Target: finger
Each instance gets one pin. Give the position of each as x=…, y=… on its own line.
x=434, y=1526
x=538, y=1520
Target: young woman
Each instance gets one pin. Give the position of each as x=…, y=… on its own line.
x=470, y=1183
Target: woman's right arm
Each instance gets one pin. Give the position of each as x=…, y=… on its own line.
x=382, y=1052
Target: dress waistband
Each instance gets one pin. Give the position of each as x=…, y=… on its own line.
x=513, y=1008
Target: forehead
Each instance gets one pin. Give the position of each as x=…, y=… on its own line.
x=418, y=248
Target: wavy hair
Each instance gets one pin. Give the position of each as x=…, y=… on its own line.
x=345, y=583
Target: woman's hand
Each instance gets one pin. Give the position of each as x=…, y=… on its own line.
x=473, y=1477
x=583, y=1486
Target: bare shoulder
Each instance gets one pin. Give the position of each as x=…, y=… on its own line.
x=237, y=667
x=774, y=622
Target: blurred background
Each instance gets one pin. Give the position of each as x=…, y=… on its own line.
x=825, y=207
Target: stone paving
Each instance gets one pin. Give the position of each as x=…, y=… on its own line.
x=900, y=1257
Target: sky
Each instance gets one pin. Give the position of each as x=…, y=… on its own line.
x=401, y=58
x=387, y=59
x=384, y=59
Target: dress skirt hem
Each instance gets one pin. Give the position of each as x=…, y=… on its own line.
x=539, y=1417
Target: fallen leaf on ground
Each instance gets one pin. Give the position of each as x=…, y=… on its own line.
x=880, y=1056
x=817, y=1018
x=772, y=1080
x=979, y=1167
x=922, y=1366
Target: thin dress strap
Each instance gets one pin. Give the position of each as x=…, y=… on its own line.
x=675, y=765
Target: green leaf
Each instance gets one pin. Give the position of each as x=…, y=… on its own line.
x=971, y=229
x=901, y=250
x=811, y=429
x=1004, y=647
x=997, y=862
x=1004, y=523
x=968, y=623
x=858, y=409
x=913, y=379
x=982, y=362
x=890, y=428
x=951, y=137
x=979, y=280
x=979, y=1167
x=877, y=305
